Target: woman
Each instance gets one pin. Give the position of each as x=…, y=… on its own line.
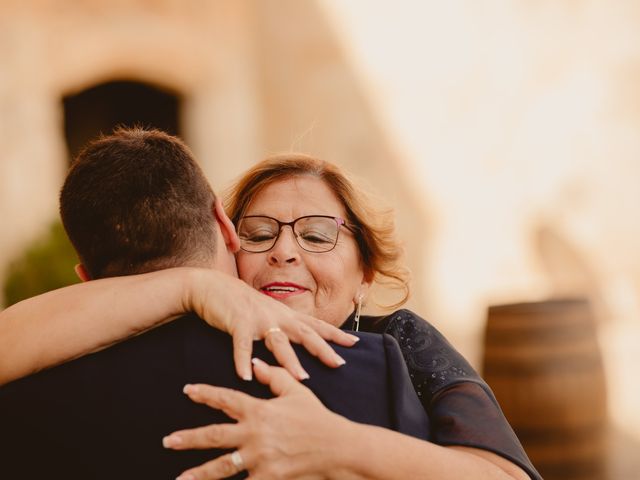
x=309, y=241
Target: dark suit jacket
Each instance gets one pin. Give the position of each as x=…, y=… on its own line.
x=103, y=416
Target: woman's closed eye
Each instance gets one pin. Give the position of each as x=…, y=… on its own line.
x=258, y=235
x=316, y=236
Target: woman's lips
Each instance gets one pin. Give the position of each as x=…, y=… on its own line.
x=281, y=290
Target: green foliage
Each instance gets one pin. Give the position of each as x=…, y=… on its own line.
x=46, y=264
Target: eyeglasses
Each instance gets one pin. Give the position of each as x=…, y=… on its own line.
x=314, y=233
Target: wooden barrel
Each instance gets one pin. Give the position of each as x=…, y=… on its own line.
x=543, y=362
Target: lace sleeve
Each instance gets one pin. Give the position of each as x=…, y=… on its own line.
x=432, y=361
x=461, y=407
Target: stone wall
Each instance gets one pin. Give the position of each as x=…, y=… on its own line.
x=255, y=78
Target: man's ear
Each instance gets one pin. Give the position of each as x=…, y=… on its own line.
x=81, y=272
x=227, y=228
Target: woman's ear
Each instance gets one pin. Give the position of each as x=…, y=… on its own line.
x=81, y=272
x=226, y=226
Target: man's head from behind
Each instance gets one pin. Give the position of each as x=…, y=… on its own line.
x=136, y=201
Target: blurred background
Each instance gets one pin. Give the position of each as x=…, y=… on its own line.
x=504, y=134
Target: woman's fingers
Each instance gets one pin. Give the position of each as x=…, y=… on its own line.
x=242, y=349
x=257, y=315
x=278, y=343
x=269, y=435
x=308, y=332
x=221, y=467
x=330, y=332
x=318, y=347
x=231, y=402
x=278, y=379
x=223, y=435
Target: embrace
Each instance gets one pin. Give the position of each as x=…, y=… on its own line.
x=289, y=259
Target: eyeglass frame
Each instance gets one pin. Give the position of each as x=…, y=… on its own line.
x=340, y=222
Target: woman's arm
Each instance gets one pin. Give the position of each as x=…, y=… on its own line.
x=294, y=436
x=70, y=322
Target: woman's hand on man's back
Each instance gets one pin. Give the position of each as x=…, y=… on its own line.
x=231, y=305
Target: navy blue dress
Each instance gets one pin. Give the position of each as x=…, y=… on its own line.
x=461, y=407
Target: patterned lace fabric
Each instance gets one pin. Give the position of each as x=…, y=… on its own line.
x=461, y=407
x=432, y=362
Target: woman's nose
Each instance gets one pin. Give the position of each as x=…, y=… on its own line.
x=286, y=249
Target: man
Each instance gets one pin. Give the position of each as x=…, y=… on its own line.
x=135, y=202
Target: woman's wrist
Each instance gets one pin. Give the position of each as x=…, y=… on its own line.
x=183, y=289
x=198, y=288
x=344, y=449
x=188, y=281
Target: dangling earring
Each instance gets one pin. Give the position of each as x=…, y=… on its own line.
x=356, y=320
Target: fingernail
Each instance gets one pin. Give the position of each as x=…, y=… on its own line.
x=340, y=361
x=171, y=441
x=257, y=361
x=302, y=374
x=247, y=374
x=355, y=338
x=188, y=388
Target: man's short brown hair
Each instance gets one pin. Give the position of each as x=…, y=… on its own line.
x=136, y=201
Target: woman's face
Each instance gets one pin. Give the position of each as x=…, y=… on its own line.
x=323, y=285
